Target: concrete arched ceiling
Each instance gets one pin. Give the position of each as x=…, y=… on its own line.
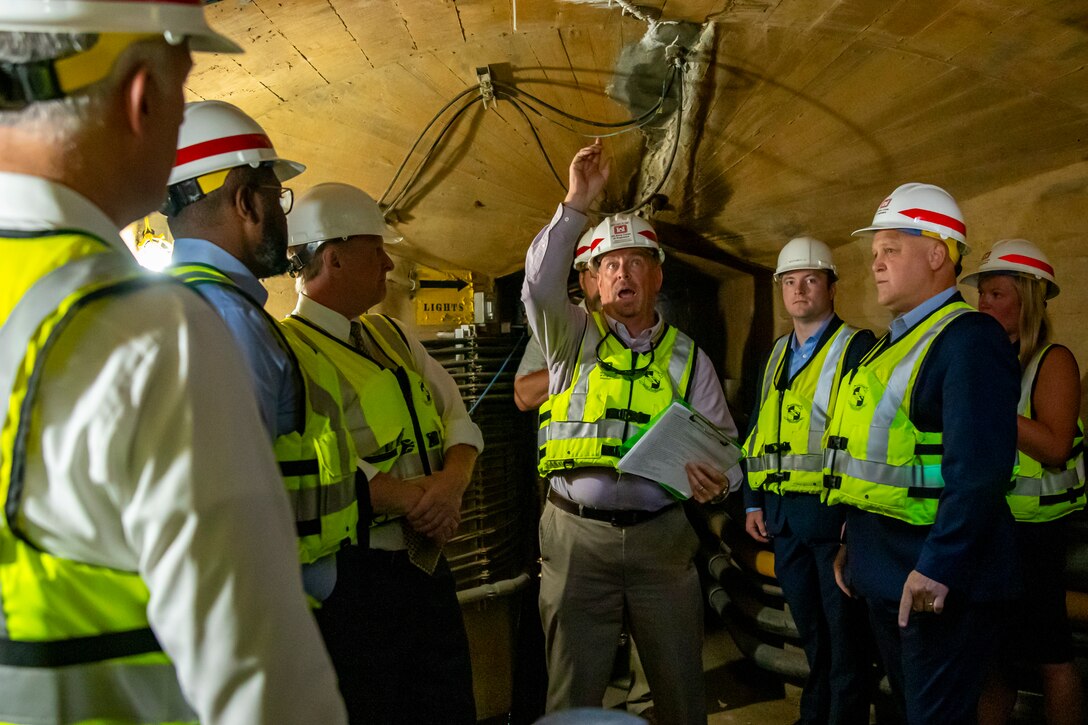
x=798, y=115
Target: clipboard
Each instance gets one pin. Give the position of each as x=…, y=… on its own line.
x=677, y=436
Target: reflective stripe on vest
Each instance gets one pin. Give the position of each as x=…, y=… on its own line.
x=404, y=435
x=875, y=458
x=1045, y=493
x=317, y=460
x=614, y=392
x=793, y=461
x=75, y=644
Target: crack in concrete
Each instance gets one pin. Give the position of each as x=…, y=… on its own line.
x=350, y=34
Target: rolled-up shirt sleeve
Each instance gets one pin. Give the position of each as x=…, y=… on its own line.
x=154, y=460
x=460, y=430
x=556, y=323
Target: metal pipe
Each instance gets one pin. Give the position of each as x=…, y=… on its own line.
x=490, y=591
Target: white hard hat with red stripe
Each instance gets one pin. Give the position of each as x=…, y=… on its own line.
x=581, y=252
x=923, y=209
x=175, y=20
x=1016, y=256
x=624, y=231
x=216, y=137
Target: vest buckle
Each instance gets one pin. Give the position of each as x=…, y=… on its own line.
x=832, y=481
x=837, y=443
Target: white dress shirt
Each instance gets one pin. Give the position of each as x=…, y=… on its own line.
x=447, y=398
x=151, y=457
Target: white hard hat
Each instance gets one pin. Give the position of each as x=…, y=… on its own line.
x=176, y=20
x=217, y=137
x=1016, y=256
x=624, y=231
x=581, y=252
x=805, y=253
x=922, y=208
x=336, y=211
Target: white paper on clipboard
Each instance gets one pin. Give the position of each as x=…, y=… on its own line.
x=679, y=436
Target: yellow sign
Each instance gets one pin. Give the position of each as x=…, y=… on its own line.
x=443, y=297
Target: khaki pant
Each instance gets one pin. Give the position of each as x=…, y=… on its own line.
x=591, y=572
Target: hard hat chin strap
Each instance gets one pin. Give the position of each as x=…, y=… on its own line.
x=295, y=265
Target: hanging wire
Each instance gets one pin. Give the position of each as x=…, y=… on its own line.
x=516, y=98
x=678, y=127
x=423, y=133
x=536, y=136
x=427, y=155
x=637, y=122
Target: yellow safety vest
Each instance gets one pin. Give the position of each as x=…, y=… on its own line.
x=404, y=436
x=614, y=392
x=875, y=458
x=785, y=448
x=318, y=461
x=75, y=643
x=1042, y=493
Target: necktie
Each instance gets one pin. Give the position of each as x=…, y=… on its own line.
x=357, y=335
x=423, y=552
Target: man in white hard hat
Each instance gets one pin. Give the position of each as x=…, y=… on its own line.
x=920, y=447
x=530, y=392
x=227, y=209
x=392, y=624
x=143, y=527
x=800, y=385
x=616, y=544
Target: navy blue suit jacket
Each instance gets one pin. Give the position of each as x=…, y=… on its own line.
x=967, y=388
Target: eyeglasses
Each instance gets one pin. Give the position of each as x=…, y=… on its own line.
x=287, y=197
x=629, y=374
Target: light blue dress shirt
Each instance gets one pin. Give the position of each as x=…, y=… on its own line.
x=908, y=320
x=800, y=353
x=272, y=370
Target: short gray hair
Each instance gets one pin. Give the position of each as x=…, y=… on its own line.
x=313, y=262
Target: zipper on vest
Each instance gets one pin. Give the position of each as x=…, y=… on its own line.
x=630, y=395
x=406, y=393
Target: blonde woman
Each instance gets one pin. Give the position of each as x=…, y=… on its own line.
x=1014, y=283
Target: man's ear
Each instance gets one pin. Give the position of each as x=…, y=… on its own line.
x=136, y=91
x=247, y=204
x=332, y=256
x=938, y=254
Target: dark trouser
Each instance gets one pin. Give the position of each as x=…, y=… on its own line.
x=936, y=664
x=397, y=641
x=834, y=628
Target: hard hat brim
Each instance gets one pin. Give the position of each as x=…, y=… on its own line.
x=176, y=22
x=972, y=280
x=286, y=170
x=213, y=42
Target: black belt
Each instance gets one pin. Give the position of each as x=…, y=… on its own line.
x=616, y=518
